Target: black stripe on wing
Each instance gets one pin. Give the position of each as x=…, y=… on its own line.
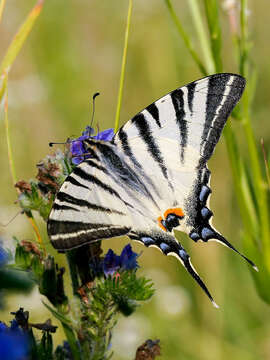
x=177, y=97
x=191, y=91
x=153, y=110
x=126, y=147
x=93, y=179
x=215, y=120
x=63, y=207
x=64, y=197
x=66, y=235
x=215, y=94
x=153, y=149
x=119, y=170
x=75, y=182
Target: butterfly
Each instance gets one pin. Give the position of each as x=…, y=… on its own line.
x=152, y=177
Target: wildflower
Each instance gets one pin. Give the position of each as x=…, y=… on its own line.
x=48, y=173
x=105, y=135
x=128, y=258
x=111, y=263
x=23, y=186
x=148, y=350
x=13, y=342
x=77, y=147
x=126, y=261
x=64, y=351
x=3, y=257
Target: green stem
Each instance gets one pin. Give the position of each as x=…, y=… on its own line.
x=10, y=154
x=211, y=9
x=122, y=76
x=185, y=37
x=258, y=186
x=200, y=28
x=267, y=173
x=243, y=39
x=260, y=191
x=73, y=272
x=2, y=5
x=71, y=339
x=239, y=178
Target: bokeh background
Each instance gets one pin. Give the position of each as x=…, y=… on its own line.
x=74, y=50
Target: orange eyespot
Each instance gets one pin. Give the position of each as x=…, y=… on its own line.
x=177, y=211
x=159, y=219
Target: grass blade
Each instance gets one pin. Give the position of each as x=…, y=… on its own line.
x=185, y=37
x=265, y=163
x=3, y=87
x=20, y=38
x=211, y=10
x=202, y=35
x=2, y=5
x=122, y=76
x=10, y=154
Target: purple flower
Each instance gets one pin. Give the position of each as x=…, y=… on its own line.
x=88, y=131
x=3, y=257
x=126, y=261
x=14, y=343
x=3, y=327
x=128, y=258
x=111, y=263
x=77, y=147
x=105, y=135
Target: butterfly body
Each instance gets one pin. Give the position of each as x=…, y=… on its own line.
x=152, y=178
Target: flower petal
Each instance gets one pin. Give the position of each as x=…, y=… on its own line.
x=111, y=263
x=3, y=256
x=105, y=135
x=128, y=258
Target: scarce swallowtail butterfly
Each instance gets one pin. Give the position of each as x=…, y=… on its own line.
x=152, y=177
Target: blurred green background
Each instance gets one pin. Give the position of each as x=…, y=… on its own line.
x=74, y=50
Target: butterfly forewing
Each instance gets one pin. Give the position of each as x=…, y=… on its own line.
x=88, y=207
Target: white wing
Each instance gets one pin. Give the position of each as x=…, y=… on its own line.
x=153, y=176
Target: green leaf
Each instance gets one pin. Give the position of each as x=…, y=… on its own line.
x=3, y=86
x=58, y=315
x=15, y=280
x=68, y=329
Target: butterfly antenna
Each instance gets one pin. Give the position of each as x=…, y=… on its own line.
x=93, y=112
x=60, y=143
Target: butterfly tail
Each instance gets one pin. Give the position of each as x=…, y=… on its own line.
x=184, y=258
x=169, y=246
x=212, y=235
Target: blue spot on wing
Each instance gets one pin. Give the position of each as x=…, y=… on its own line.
x=148, y=241
x=164, y=247
x=207, y=233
